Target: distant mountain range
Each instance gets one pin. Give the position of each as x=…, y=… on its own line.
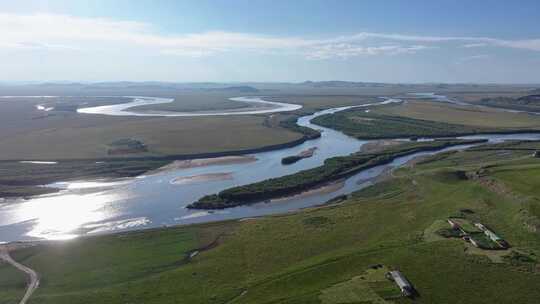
x=158, y=88
x=121, y=87
x=243, y=89
x=343, y=84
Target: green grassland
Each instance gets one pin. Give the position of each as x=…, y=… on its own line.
x=77, y=136
x=27, y=133
x=12, y=283
x=522, y=101
x=461, y=115
x=364, y=125
x=315, y=102
x=426, y=119
x=319, y=255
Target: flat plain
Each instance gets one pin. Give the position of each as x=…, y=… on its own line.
x=465, y=115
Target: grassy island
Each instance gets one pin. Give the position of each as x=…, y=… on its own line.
x=359, y=124
x=333, y=169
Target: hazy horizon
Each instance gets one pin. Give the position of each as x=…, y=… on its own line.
x=75, y=82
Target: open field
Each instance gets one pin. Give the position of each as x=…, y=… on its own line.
x=162, y=136
x=529, y=103
x=69, y=135
x=363, y=125
x=313, y=103
x=12, y=283
x=426, y=119
x=463, y=115
x=28, y=133
x=306, y=256
x=521, y=101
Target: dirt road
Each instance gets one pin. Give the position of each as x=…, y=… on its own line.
x=34, y=278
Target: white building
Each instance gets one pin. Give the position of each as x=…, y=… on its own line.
x=490, y=234
x=404, y=285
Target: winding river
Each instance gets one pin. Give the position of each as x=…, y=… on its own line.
x=258, y=106
x=158, y=199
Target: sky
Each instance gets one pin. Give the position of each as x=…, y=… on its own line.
x=407, y=41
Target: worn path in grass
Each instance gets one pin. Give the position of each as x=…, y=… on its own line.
x=34, y=278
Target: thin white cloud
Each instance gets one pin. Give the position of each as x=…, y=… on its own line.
x=61, y=32
x=344, y=50
x=468, y=59
x=474, y=45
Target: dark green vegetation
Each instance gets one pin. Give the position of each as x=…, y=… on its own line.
x=25, y=179
x=12, y=284
x=529, y=103
x=126, y=146
x=377, y=124
x=287, y=160
x=358, y=123
x=290, y=124
x=461, y=115
x=320, y=255
x=333, y=169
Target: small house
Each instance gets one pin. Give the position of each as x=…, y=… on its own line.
x=492, y=236
x=453, y=224
x=456, y=226
x=404, y=285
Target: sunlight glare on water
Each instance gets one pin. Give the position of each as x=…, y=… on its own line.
x=60, y=216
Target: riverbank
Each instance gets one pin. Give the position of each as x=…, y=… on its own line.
x=202, y=178
x=312, y=253
x=24, y=178
x=20, y=179
x=134, y=202
x=203, y=162
x=333, y=169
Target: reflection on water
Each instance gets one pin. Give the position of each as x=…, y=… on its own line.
x=87, y=184
x=37, y=162
x=58, y=216
x=117, y=225
x=123, y=108
x=92, y=207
